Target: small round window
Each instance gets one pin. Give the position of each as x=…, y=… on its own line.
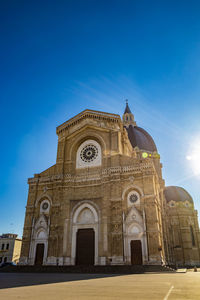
x=133, y=198
x=45, y=205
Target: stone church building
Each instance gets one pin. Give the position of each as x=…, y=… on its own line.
x=104, y=202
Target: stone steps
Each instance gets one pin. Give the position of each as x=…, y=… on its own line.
x=114, y=269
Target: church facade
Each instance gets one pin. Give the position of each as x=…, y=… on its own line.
x=104, y=202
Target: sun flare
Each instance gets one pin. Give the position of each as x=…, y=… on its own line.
x=194, y=157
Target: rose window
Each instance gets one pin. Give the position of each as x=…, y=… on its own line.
x=89, y=153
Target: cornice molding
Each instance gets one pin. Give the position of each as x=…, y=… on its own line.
x=92, y=114
x=95, y=176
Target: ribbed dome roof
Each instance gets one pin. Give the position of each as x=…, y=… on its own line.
x=140, y=138
x=177, y=193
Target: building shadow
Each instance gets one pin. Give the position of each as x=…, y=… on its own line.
x=12, y=280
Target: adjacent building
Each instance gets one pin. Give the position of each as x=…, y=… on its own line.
x=10, y=248
x=105, y=202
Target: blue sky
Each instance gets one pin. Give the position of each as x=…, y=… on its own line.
x=61, y=57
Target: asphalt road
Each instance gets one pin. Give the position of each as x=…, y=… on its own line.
x=56, y=286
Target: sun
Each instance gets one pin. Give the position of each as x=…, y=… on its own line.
x=193, y=157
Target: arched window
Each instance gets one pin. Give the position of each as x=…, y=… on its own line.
x=5, y=259
x=2, y=247
x=7, y=246
x=192, y=236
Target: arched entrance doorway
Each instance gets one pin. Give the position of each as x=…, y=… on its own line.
x=135, y=243
x=85, y=250
x=85, y=235
x=39, y=242
x=136, y=252
x=39, y=255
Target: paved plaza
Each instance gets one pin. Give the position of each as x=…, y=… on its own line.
x=90, y=286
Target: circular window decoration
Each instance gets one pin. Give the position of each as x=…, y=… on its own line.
x=89, y=153
x=45, y=205
x=133, y=198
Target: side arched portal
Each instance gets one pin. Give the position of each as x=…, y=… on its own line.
x=39, y=242
x=135, y=243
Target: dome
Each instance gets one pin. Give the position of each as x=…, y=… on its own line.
x=177, y=193
x=140, y=138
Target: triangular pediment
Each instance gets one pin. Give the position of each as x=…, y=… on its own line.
x=41, y=223
x=134, y=216
x=89, y=117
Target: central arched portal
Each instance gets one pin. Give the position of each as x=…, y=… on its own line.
x=85, y=235
x=85, y=246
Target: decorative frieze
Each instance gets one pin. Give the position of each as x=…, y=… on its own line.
x=96, y=176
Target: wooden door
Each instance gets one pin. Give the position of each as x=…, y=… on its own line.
x=85, y=247
x=136, y=252
x=39, y=254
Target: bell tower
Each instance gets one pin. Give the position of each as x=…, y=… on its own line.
x=128, y=117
